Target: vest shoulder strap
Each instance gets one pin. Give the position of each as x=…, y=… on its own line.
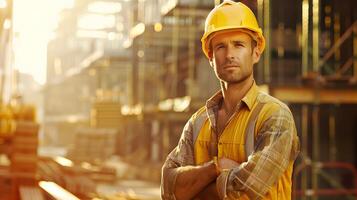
x=249, y=131
x=197, y=125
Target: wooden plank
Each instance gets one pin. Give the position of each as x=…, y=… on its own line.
x=6, y=185
x=29, y=141
x=57, y=192
x=315, y=95
x=21, y=162
x=25, y=149
x=26, y=127
x=30, y=193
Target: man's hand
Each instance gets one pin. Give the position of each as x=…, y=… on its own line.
x=226, y=163
x=193, y=179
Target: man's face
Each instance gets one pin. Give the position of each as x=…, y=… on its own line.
x=233, y=56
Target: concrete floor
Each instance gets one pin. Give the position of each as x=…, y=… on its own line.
x=133, y=189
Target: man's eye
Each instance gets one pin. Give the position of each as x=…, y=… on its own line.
x=220, y=47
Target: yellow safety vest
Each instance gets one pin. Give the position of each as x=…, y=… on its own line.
x=232, y=143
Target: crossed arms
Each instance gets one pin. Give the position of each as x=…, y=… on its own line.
x=276, y=147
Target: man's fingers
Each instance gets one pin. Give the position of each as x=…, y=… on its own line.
x=226, y=163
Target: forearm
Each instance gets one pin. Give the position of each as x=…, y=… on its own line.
x=209, y=192
x=193, y=179
x=276, y=148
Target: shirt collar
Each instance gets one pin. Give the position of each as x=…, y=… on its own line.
x=251, y=96
x=248, y=99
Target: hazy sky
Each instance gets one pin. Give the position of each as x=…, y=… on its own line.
x=34, y=22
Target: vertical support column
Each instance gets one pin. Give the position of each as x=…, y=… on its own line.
x=165, y=139
x=315, y=35
x=332, y=134
x=160, y=81
x=143, y=68
x=155, y=132
x=267, y=41
x=260, y=12
x=260, y=65
x=3, y=64
x=15, y=82
x=305, y=37
x=175, y=52
x=6, y=52
x=336, y=37
x=130, y=81
x=355, y=51
x=316, y=109
x=134, y=73
x=191, y=54
x=315, y=148
x=129, y=137
x=304, y=145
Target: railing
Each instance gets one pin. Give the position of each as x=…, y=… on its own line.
x=352, y=30
x=337, y=190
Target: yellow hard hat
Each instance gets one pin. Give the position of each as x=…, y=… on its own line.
x=231, y=15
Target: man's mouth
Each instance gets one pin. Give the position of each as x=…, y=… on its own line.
x=230, y=66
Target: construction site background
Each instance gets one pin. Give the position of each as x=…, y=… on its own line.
x=124, y=76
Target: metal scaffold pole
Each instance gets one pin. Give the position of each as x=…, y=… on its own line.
x=305, y=37
x=336, y=38
x=315, y=148
x=260, y=66
x=316, y=107
x=332, y=134
x=315, y=35
x=191, y=54
x=175, y=52
x=165, y=139
x=304, y=147
x=266, y=31
x=355, y=51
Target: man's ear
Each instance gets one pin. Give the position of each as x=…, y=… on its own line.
x=210, y=58
x=256, y=55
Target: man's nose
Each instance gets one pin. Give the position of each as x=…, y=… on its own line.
x=230, y=52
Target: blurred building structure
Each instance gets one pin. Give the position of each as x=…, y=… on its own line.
x=18, y=127
x=146, y=72
x=86, y=63
x=5, y=49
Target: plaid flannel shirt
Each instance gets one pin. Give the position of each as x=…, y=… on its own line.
x=276, y=146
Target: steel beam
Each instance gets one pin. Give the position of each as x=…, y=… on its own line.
x=313, y=95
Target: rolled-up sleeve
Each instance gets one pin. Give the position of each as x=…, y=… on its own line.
x=276, y=146
x=182, y=155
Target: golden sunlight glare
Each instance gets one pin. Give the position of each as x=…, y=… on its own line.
x=3, y=4
x=34, y=22
x=56, y=191
x=104, y=7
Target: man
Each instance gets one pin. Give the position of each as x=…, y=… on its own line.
x=243, y=143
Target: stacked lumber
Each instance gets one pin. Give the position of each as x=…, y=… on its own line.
x=6, y=185
x=106, y=115
x=19, y=141
x=30, y=193
x=25, y=142
x=49, y=170
x=93, y=144
x=24, y=159
x=71, y=176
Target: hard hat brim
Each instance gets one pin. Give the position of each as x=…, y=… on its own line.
x=255, y=35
